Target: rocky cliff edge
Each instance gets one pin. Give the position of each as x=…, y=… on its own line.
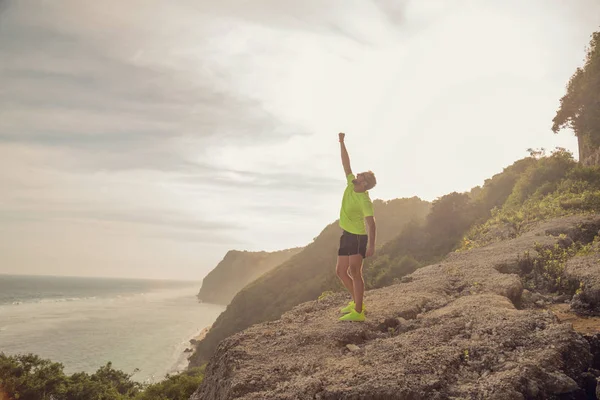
x=459, y=329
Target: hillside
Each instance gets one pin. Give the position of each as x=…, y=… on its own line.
x=236, y=270
x=531, y=190
x=444, y=228
x=463, y=328
x=303, y=277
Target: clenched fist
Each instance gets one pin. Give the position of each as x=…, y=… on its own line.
x=342, y=135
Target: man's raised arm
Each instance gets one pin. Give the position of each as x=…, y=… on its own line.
x=345, y=157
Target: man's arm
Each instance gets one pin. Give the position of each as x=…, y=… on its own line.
x=345, y=157
x=372, y=232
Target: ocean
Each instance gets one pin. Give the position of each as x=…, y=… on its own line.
x=85, y=322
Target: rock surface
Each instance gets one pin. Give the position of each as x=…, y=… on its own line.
x=449, y=331
x=586, y=270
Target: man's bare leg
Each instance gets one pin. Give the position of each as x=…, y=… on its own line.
x=356, y=264
x=341, y=269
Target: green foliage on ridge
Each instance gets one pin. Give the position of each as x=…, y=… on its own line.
x=553, y=186
x=29, y=377
x=450, y=218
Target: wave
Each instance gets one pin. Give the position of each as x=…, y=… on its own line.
x=54, y=298
x=47, y=300
x=63, y=299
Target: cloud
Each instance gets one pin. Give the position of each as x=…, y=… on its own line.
x=39, y=203
x=310, y=16
x=157, y=223
x=277, y=181
x=124, y=87
x=394, y=10
x=156, y=218
x=132, y=124
x=111, y=109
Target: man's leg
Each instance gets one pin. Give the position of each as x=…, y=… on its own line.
x=356, y=264
x=341, y=269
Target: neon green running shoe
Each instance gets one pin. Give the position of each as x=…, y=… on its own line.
x=348, y=308
x=354, y=316
x=351, y=305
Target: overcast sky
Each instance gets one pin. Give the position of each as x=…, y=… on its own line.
x=145, y=138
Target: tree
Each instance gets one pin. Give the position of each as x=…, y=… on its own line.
x=580, y=106
x=28, y=377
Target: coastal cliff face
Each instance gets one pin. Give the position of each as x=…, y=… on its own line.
x=236, y=270
x=464, y=328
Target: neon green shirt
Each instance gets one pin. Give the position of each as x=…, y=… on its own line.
x=355, y=207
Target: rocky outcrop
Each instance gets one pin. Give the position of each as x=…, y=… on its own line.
x=303, y=277
x=450, y=330
x=236, y=270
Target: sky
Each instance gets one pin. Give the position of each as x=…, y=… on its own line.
x=146, y=138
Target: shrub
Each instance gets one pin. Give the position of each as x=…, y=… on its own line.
x=551, y=187
x=29, y=377
x=175, y=387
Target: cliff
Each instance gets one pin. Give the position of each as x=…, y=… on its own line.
x=236, y=270
x=303, y=277
x=462, y=328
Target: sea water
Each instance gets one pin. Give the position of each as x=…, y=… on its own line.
x=83, y=323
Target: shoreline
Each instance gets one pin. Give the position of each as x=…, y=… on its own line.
x=200, y=336
x=182, y=362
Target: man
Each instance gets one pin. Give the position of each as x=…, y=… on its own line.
x=355, y=243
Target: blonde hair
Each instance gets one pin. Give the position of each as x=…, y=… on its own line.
x=371, y=180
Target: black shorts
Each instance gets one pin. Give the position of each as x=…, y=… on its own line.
x=351, y=244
